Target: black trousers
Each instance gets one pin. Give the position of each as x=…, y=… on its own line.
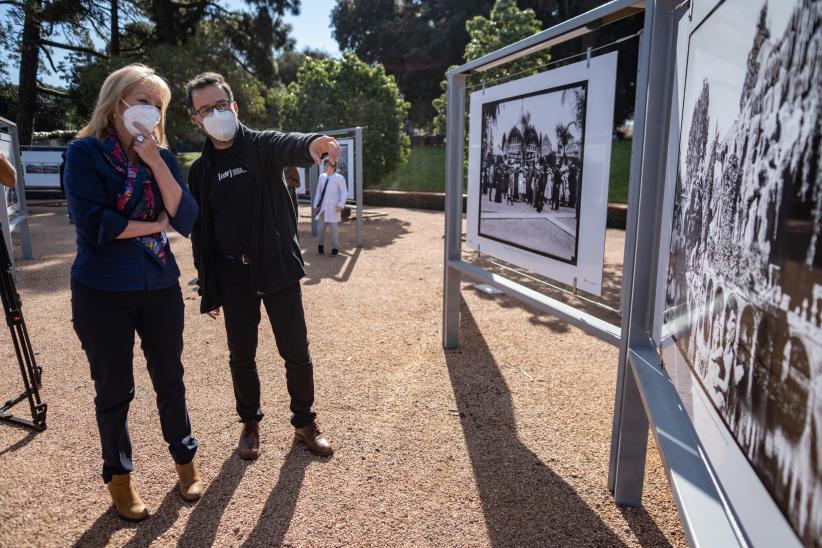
x=241, y=308
x=105, y=322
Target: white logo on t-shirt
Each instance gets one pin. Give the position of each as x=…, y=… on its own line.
x=230, y=173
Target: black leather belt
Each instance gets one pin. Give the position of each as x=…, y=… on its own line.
x=245, y=258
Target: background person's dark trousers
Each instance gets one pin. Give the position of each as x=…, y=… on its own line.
x=105, y=322
x=241, y=309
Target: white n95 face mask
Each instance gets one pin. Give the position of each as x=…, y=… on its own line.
x=221, y=125
x=147, y=115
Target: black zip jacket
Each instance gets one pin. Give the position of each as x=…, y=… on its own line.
x=277, y=261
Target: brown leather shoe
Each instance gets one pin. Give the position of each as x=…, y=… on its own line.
x=311, y=437
x=125, y=498
x=249, y=446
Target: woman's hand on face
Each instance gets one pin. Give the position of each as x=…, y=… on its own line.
x=163, y=220
x=147, y=150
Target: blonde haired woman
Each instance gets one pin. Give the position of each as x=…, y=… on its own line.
x=124, y=189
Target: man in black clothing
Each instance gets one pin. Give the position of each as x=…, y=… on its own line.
x=557, y=184
x=247, y=254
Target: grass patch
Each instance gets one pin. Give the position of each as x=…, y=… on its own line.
x=424, y=171
x=620, y=171
x=185, y=159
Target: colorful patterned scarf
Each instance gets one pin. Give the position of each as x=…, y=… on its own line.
x=137, y=200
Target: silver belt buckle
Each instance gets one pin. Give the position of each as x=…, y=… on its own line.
x=245, y=259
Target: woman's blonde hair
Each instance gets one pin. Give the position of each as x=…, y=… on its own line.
x=118, y=84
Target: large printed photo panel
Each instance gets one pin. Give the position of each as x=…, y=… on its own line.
x=538, y=171
x=345, y=167
x=744, y=281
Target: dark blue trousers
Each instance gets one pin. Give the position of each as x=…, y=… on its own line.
x=105, y=322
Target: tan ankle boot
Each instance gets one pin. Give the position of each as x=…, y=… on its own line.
x=191, y=485
x=125, y=498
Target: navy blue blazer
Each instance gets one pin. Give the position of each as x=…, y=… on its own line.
x=102, y=261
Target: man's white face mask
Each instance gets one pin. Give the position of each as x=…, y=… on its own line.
x=221, y=126
x=147, y=115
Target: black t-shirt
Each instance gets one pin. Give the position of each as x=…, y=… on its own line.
x=231, y=198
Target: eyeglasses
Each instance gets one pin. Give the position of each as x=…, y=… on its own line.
x=221, y=106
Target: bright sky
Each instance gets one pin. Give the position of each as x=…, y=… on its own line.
x=539, y=106
x=311, y=28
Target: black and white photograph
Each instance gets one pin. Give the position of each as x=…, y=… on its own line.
x=744, y=286
x=42, y=166
x=345, y=162
x=539, y=157
x=531, y=170
x=345, y=167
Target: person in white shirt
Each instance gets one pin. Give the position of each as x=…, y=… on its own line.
x=328, y=204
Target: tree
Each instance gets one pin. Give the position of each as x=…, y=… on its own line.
x=347, y=92
x=257, y=34
x=553, y=12
x=290, y=61
x=760, y=37
x=178, y=64
x=35, y=27
x=415, y=41
x=51, y=112
x=505, y=25
x=29, y=30
x=564, y=137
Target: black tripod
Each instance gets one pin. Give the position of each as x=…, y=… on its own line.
x=22, y=347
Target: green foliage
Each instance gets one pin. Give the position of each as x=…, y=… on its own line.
x=424, y=171
x=51, y=113
x=290, y=61
x=506, y=24
x=415, y=41
x=205, y=50
x=185, y=159
x=338, y=93
x=620, y=171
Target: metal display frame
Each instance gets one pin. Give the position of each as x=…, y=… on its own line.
x=314, y=176
x=715, y=506
x=19, y=220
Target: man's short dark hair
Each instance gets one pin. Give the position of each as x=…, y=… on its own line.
x=204, y=80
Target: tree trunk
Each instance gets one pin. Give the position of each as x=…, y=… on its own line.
x=29, y=63
x=115, y=29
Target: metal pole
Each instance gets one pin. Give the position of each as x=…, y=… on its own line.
x=358, y=152
x=313, y=178
x=455, y=133
x=23, y=212
x=655, y=84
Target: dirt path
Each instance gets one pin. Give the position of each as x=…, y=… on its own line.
x=502, y=443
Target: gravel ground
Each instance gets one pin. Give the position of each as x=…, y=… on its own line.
x=501, y=443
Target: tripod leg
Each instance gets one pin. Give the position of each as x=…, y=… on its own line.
x=29, y=370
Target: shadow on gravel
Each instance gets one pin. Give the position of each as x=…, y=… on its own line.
x=201, y=527
x=24, y=441
x=160, y=521
x=278, y=510
x=377, y=232
x=103, y=528
x=643, y=527
x=524, y=502
x=611, y=290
